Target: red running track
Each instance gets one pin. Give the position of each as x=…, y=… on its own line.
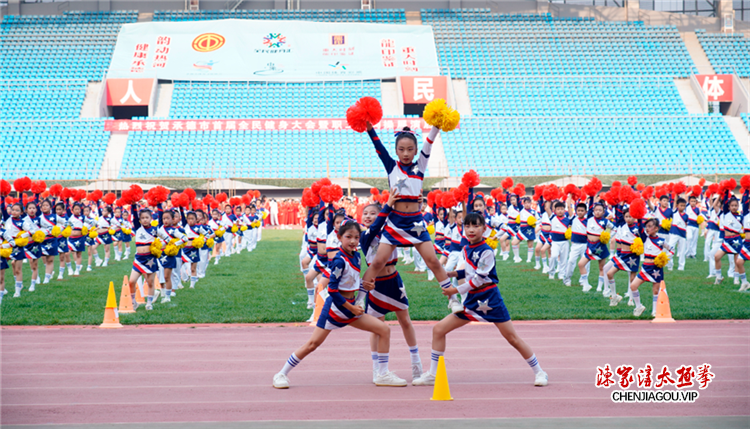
x=223, y=373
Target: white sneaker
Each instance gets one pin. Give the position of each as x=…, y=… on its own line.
x=165, y=299
x=200, y=276
x=104, y=264
x=505, y=257
x=89, y=268
x=136, y=305
x=60, y=276
x=312, y=317
x=710, y=276
x=374, y=375
x=389, y=379
x=745, y=286
x=586, y=287
x=541, y=379
x=99, y=262
x=719, y=279
x=599, y=287
x=157, y=292
x=455, y=306
x=567, y=283
x=46, y=279
x=18, y=292
x=280, y=381
x=545, y=269
x=430, y=276
x=149, y=306
x=310, y=305
x=606, y=292
x=551, y=276
x=216, y=261
x=681, y=269
x=517, y=260
x=416, y=370
x=32, y=288
x=427, y=379
x=537, y=266
x=630, y=302
x=737, y=281
x=638, y=310
x=70, y=271
x=614, y=300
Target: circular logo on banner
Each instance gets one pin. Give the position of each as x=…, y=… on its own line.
x=208, y=42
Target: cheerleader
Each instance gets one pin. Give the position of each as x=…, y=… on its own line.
x=340, y=311
x=52, y=225
x=33, y=250
x=678, y=234
x=388, y=293
x=311, y=257
x=713, y=235
x=190, y=253
x=254, y=232
x=730, y=221
x=662, y=213
x=455, y=256
x=127, y=233
x=105, y=233
x=77, y=241
x=91, y=220
x=653, y=245
x=693, y=229
x=505, y=231
x=5, y=246
x=175, y=238
x=405, y=226
x=559, y=246
x=595, y=249
x=578, y=240
x=482, y=302
x=514, y=211
x=625, y=259
x=246, y=228
x=215, y=225
x=145, y=263
x=63, y=251
x=204, y=253
x=117, y=225
x=22, y=228
x=177, y=270
x=227, y=221
x=745, y=250
x=544, y=243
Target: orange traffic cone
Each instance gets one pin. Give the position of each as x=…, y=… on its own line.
x=319, y=303
x=111, y=317
x=126, y=302
x=138, y=296
x=663, y=312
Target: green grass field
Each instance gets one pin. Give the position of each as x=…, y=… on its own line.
x=267, y=286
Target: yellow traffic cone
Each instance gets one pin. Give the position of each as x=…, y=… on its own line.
x=663, y=312
x=111, y=317
x=441, y=391
x=126, y=302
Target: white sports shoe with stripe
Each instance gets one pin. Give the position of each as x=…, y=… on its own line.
x=427, y=379
x=541, y=379
x=390, y=379
x=280, y=381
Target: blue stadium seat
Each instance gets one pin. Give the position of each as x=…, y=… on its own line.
x=729, y=53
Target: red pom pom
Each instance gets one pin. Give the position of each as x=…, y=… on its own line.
x=22, y=184
x=448, y=200
x=66, y=194
x=538, y=189
x=197, y=204
x=157, y=195
x=632, y=180
x=207, y=200
x=247, y=200
x=679, y=188
x=461, y=193
x=745, y=181
x=38, y=186
x=323, y=182
x=136, y=193
x=596, y=185
x=616, y=184
x=221, y=197
x=551, y=193
x=571, y=188
x=470, y=179
x=190, y=193
x=384, y=196
x=661, y=190
x=366, y=109
x=501, y=197
x=696, y=191
x=109, y=199
x=44, y=194
x=702, y=181
x=627, y=194
x=4, y=187
x=374, y=192
x=256, y=194
x=638, y=208
x=10, y=201
x=520, y=190
x=507, y=183
x=669, y=187
x=728, y=185
x=648, y=192
x=235, y=201
x=315, y=187
x=94, y=196
x=712, y=189
x=27, y=198
x=590, y=189
x=55, y=190
x=326, y=194
x=640, y=186
x=431, y=198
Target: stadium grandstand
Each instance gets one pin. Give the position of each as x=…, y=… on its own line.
x=552, y=88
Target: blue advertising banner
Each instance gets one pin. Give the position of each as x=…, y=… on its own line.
x=273, y=50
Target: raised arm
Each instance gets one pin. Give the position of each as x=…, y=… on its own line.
x=424, y=156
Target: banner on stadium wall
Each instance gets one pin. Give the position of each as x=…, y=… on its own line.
x=271, y=124
x=129, y=92
x=423, y=89
x=273, y=50
x=717, y=87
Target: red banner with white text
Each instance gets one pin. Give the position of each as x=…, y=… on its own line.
x=717, y=87
x=271, y=124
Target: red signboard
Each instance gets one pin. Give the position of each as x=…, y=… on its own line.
x=271, y=124
x=717, y=87
x=423, y=89
x=129, y=92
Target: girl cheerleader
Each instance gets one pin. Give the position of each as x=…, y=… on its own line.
x=745, y=250
x=514, y=210
x=174, y=236
x=340, y=311
x=90, y=220
x=105, y=232
x=543, y=246
x=227, y=222
x=578, y=239
x=50, y=222
x=712, y=232
x=63, y=251
x=215, y=225
x=18, y=227
x=595, y=249
x=559, y=246
x=145, y=264
x=653, y=245
x=77, y=241
x=678, y=234
x=625, y=259
x=525, y=232
x=311, y=258
x=127, y=233
x=730, y=221
x=5, y=246
x=33, y=250
x=455, y=255
x=117, y=238
x=177, y=270
x=204, y=253
x=504, y=228
x=388, y=293
x=190, y=253
x=693, y=211
x=482, y=302
x=405, y=226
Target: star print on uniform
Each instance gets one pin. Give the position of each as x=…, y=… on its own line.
x=48, y=246
x=400, y=184
x=483, y=306
x=418, y=228
x=598, y=250
x=475, y=256
x=150, y=263
x=415, y=170
x=656, y=276
x=403, y=292
x=337, y=272
x=632, y=263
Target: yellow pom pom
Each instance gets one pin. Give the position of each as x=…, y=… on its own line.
x=491, y=242
x=172, y=249
x=85, y=230
x=127, y=231
x=220, y=232
x=38, y=236
x=67, y=231
x=604, y=238
x=243, y=228
x=255, y=224
x=154, y=222
x=568, y=233
x=199, y=242
x=210, y=242
x=431, y=229
x=661, y=260
x=450, y=120
x=666, y=224
x=112, y=231
x=234, y=229
x=531, y=221
x=21, y=241
x=700, y=219
x=155, y=248
x=93, y=233
x=742, y=235
x=265, y=215
x=55, y=231
x=433, y=112
x=5, y=253
x=493, y=233
x=637, y=246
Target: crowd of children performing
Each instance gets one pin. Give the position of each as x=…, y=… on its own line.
x=633, y=228
x=175, y=236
